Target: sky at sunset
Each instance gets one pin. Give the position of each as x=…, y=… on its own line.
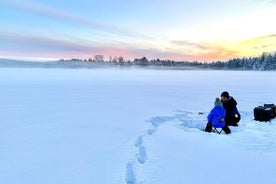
x=167, y=29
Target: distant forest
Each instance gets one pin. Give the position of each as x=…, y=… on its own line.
x=265, y=62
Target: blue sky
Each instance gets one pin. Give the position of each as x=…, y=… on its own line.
x=166, y=29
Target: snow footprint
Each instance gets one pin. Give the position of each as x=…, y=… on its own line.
x=156, y=121
x=130, y=174
x=139, y=141
x=141, y=156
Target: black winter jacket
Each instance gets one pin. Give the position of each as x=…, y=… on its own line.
x=232, y=114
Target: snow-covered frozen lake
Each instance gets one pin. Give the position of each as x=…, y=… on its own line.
x=69, y=126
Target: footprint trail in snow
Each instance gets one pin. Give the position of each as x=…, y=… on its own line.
x=184, y=119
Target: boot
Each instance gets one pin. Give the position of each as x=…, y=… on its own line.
x=208, y=127
x=226, y=129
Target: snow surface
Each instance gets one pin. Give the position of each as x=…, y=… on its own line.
x=69, y=126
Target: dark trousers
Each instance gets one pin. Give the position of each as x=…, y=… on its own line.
x=209, y=128
x=232, y=121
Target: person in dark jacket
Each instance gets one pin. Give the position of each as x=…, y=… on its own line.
x=230, y=105
x=216, y=118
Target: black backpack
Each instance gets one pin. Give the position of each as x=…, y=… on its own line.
x=265, y=112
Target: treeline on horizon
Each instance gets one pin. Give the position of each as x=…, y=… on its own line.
x=264, y=62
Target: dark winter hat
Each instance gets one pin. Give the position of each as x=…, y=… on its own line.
x=218, y=103
x=225, y=94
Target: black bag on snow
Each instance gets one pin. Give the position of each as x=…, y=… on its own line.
x=273, y=107
x=265, y=112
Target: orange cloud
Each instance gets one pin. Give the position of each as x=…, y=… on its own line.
x=258, y=45
x=261, y=42
x=204, y=51
x=226, y=50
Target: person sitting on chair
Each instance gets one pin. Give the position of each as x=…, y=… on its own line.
x=216, y=118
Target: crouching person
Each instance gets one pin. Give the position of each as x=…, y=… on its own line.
x=232, y=116
x=216, y=118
